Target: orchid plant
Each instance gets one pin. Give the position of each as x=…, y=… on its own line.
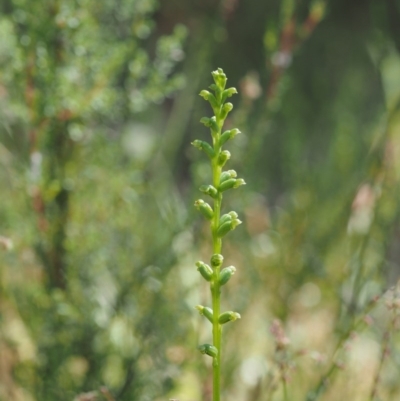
x=222, y=181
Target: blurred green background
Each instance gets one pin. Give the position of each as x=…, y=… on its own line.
x=98, y=237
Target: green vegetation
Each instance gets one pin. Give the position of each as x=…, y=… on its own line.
x=98, y=107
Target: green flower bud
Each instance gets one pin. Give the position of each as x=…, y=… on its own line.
x=223, y=157
x=228, y=217
x=224, y=228
x=228, y=174
x=205, y=121
x=239, y=182
x=224, y=218
x=228, y=317
x=219, y=78
x=210, y=123
x=226, y=274
x=204, y=146
x=226, y=108
x=216, y=260
x=209, y=190
x=208, y=349
x=228, y=93
x=206, y=95
x=204, y=208
x=228, y=184
x=231, y=183
x=228, y=135
x=233, y=214
x=215, y=88
x=204, y=270
x=205, y=311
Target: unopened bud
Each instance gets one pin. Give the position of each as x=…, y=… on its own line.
x=228, y=174
x=205, y=311
x=227, y=317
x=224, y=229
x=225, y=136
x=210, y=123
x=208, y=349
x=209, y=190
x=205, y=147
x=215, y=88
x=226, y=108
x=204, y=208
x=223, y=157
x=204, y=270
x=239, y=182
x=227, y=217
x=219, y=78
x=228, y=93
x=226, y=274
x=227, y=184
x=216, y=260
x=231, y=183
x=206, y=95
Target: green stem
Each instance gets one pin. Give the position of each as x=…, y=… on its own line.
x=217, y=332
x=215, y=286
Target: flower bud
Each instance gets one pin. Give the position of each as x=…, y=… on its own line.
x=228, y=174
x=226, y=274
x=215, y=88
x=204, y=146
x=224, y=218
x=223, y=157
x=239, y=182
x=209, y=190
x=228, y=184
x=228, y=135
x=224, y=228
x=228, y=317
x=231, y=183
x=216, y=260
x=208, y=349
x=210, y=123
x=228, y=93
x=205, y=311
x=219, y=78
x=204, y=270
x=226, y=108
x=206, y=95
x=204, y=208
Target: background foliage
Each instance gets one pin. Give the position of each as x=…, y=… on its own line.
x=98, y=237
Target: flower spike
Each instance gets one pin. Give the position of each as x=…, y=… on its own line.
x=215, y=274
